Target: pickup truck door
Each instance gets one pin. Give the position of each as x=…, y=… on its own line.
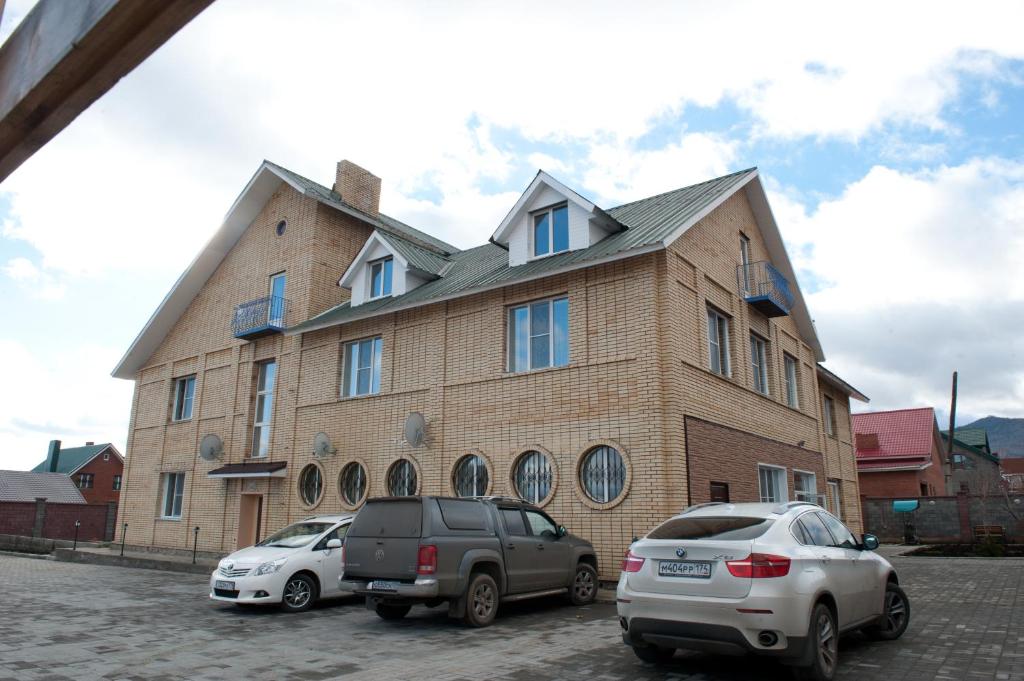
x=552, y=555
x=520, y=551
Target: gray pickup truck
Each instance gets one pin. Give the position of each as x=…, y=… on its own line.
x=471, y=553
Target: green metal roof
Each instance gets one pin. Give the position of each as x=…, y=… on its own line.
x=71, y=458
x=647, y=223
x=975, y=437
x=430, y=262
x=970, y=447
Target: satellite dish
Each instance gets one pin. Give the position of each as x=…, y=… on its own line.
x=211, y=448
x=415, y=429
x=322, y=446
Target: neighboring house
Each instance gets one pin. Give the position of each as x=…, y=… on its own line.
x=612, y=365
x=96, y=469
x=25, y=486
x=1013, y=472
x=975, y=470
x=900, y=453
x=973, y=437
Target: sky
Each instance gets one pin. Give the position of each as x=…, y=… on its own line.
x=889, y=136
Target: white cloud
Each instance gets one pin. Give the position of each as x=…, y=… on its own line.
x=34, y=281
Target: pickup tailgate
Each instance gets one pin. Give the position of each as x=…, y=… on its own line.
x=383, y=542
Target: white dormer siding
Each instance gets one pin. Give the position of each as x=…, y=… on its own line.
x=358, y=276
x=587, y=224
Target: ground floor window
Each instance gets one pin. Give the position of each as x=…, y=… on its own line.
x=772, y=480
x=311, y=484
x=352, y=483
x=173, y=491
x=402, y=479
x=805, y=486
x=533, y=477
x=603, y=474
x=835, y=498
x=720, y=492
x=470, y=476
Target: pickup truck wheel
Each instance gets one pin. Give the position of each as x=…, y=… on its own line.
x=584, y=585
x=481, y=600
x=392, y=612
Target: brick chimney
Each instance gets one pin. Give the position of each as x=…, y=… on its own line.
x=53, y=455
x=358, y=187
x=90, y=443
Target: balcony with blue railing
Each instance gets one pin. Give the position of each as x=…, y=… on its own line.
x=260, y=317
x=765, y=288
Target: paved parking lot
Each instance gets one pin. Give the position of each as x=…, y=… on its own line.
x=69, y=621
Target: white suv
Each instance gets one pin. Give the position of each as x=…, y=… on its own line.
x=782, y=580
x=293, y=567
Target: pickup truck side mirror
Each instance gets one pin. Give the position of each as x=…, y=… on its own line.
x=333, y=544
x=562, y=531
x=869, y=542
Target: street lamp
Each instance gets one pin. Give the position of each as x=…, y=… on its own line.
x=78, y=523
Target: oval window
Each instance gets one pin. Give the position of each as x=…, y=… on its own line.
x=533, y=477
x=603, y=474
x=352, y=483
x=402, y=479
x=311, y=484
x=281, y=226
x=470, y=477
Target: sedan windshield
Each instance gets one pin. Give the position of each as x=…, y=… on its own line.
x=294, y=536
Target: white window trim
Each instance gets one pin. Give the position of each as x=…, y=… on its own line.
x=166, y=490
x=379, y=369
x=510, y=321
x=814, y=479
x=531, y=238
x=760, y=369
x=180, y=384
x=254, y=451
x=369, y=270
x=835, y=497
x=784, y=488
x=725, y=359
x=792, y=386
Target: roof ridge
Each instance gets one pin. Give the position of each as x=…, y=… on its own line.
x=892, y=411
x=689, y=186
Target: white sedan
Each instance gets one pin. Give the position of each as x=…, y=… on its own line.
x=781, y=580
x=293, y=567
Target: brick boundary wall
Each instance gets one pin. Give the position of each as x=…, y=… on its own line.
x=57, y=521
x=946, y=520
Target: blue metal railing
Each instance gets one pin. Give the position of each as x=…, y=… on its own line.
x=259, y=316
x=761, y=282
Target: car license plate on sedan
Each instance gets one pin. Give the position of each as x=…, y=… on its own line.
x=684, y=568
x=226, y=586
x=379, y=585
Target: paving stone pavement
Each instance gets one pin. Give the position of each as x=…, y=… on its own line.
x=71, y=621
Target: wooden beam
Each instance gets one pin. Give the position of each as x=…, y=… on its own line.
x=66, y=55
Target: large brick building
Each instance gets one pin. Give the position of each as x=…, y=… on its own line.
x=612, y=365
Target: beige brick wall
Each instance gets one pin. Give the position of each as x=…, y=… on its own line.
x=638, y=367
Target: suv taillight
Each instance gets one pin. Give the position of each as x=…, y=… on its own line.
x=632, y=562
x=758, y=565
x=426, y=560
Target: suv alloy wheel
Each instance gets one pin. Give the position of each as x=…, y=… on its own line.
x=584, y=585
x=481, y=600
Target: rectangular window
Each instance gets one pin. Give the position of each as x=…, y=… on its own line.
x=184, y=392
x=173, y=491
x=805, y=486
x=830, y=416
x=265, y=377
x=792, y=394
x=551, y=231
x=538, y=335
x=772, y=482
x=759, y=363
x=835, y=498
x=85, y=481
x=380, y=278
x=720, y=491
x=718, y=342
x=745, y=261
x=362, y=367
x=117, y=483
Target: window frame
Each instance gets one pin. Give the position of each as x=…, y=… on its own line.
x=258, y=425
x=182, y=397
x=300, y=486
x=414, y=476
x=796, y=488
x=85, y=480
x=386, y=278
x=512, y=328
x=549, y=212
x=116, y=483
x=172, y=494
x=361, y=473
x=792, y=382
x=718, y=327
x=783, y=478
x=835, y=497
x=481, y=475
x=759, y=363
x=349, y=388
x=829, y=416
x=546, y=471
x=611, y=459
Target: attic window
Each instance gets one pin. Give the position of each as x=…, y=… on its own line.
x=551, y=231
x=281, y=226
x=380, y=278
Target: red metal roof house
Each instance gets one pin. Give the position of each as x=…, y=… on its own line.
x=899, y=453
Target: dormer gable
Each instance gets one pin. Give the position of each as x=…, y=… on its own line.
x=550, y=218
x=388, y=266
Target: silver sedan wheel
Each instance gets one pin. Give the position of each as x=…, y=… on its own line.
x=483, y=601
x=828, y=644
x=297, y=593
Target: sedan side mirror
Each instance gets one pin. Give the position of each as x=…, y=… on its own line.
x=333, y=544
x=562, y=531
x=869, y=542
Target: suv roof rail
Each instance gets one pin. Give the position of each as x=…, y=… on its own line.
x=782, y=508
x=512, y=500
x=704, y=505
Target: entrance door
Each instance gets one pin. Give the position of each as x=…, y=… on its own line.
x=250, y=519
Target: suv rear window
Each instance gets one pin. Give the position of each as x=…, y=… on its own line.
x=707, y=527
x=461, y=514
x=400, y=519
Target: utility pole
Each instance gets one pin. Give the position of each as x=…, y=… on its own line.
x=952, y=426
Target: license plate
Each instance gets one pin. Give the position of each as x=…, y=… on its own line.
x=224, y=586
x=378, y=585
x=684, y=568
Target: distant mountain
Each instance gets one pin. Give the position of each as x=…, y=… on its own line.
x=1005, y=436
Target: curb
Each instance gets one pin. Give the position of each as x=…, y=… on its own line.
x=69, y=556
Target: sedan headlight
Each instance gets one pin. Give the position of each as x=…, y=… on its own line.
x=270, y=567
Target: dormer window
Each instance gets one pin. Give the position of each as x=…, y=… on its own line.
x=380, y=278
x=551, y=231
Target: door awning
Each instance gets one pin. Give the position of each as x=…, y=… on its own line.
x=270, y=469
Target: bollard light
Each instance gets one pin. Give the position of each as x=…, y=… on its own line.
x=124, y=531
x=78, y=523
x=195, y=543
